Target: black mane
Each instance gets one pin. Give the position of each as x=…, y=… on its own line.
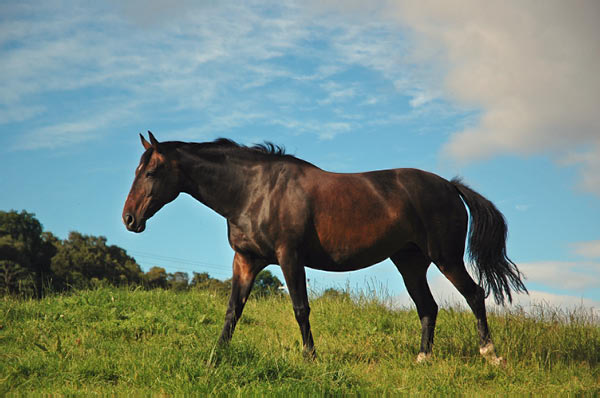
x=267, y=147
x=264, y=151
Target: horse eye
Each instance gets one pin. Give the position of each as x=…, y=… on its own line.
x=150, y=173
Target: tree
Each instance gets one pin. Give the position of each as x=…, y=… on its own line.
x=156, y=277
x=83, y=258
x=25, y=253
x=178, y=280
x=265, y=284
x=200, y=280
x=335, y=294
x=204, y=281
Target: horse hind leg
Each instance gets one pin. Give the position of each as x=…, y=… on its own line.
x=457, y=274
x=413, y=264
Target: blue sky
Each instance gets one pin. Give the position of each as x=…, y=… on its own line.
x=504, y=94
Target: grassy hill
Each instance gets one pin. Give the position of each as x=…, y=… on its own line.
x=116, y=340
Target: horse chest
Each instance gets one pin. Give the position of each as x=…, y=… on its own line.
x=248, y=239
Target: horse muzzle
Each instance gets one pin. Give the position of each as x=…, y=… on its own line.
x=133, y=224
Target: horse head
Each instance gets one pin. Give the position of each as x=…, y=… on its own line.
x=156, y=183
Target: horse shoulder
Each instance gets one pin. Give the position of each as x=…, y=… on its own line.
x=274, y=214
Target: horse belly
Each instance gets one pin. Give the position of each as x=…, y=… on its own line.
x=351, y=242
x=336, y=261
x=360, y=219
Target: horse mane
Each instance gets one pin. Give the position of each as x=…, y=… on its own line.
x=266, y=148
x=264, y=151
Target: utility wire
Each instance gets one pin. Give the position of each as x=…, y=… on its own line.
x=151, y=259
x=181, y=260
x=222, y=273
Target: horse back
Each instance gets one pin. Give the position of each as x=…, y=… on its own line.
x=359, y=219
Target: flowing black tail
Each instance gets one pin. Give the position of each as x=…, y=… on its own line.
x=487, y=246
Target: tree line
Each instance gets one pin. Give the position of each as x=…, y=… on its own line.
x=34, y=261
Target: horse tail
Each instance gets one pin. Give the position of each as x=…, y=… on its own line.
x=487, y=246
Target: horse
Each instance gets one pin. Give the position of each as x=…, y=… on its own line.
x=286, y=211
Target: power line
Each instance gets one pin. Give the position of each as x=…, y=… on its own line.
x=224, y=274
x=181, y=263
x=179, y=260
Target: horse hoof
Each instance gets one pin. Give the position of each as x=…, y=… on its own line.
x=489, y=353
x=487, y=350
x=497, y=361
x=310, y=355
x=423, y=357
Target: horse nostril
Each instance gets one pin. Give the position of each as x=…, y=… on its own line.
x=129, y=220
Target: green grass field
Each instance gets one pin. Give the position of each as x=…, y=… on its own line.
x=114, y=340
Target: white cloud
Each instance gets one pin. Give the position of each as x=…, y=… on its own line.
x=330, y=130
x=590, y=249
x=573, y=276
x=324, y=131
x=57, y=135
x=530, y=67
x=523, y=207
x=336, y=93
x=19, y=113
x=218, y=62
x=421, y=98
x=537, y=301
x=323, y=72
x=152, y=14
x=217, y=125
x=67, y=133
x=446, y=295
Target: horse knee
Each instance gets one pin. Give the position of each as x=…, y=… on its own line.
x=302, y=313
x=427, y=310
x=428, y=321
x=476, y=298
x=479, y=293
x=433, y=311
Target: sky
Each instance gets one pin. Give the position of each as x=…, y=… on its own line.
x=505, y=94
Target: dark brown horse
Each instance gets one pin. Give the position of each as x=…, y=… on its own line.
x=283, y=210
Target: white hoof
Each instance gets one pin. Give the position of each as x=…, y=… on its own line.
x=487, y=350
x=497, y=361
x=422, y=357
x=489, y=353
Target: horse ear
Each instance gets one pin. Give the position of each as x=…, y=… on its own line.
x=145, y=143
x=153, y=140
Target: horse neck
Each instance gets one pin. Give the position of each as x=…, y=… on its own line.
x=218, y=181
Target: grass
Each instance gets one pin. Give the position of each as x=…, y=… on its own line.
x=112, y=340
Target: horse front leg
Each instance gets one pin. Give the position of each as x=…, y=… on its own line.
x=245, y=270
x=295, y=279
